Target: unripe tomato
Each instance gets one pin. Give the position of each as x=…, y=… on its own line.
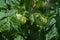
x=21, y=18
x=41, y=20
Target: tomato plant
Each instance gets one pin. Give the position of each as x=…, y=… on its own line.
x=29, y=19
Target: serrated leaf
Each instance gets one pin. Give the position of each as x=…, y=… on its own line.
x=12, y=2
x=52, y=33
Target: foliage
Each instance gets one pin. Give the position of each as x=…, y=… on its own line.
x=29, y=19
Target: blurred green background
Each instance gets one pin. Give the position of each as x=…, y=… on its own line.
x=29, y=19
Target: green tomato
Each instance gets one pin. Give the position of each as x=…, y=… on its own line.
x=41, y=21
x=22, y=20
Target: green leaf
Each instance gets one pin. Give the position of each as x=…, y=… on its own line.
x=52, y=33
x=2, y=15
x=9, y=13
x=5, y=20
x=2, y=4
x=12, y=2
x=19, y=38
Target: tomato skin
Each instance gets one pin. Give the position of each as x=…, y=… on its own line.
x=21, y=18
x=41, y=21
